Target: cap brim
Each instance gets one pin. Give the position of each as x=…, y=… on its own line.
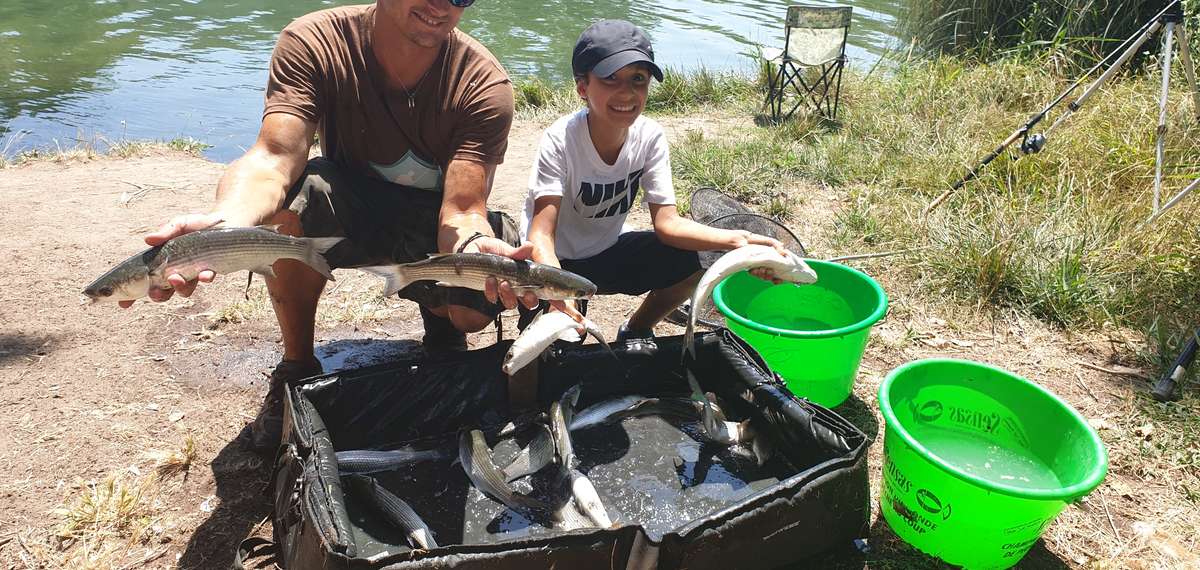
x=616, y=61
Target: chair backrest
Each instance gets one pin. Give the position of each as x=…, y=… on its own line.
x=816, y=34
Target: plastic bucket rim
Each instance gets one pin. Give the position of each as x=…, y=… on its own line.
x=1087, y=484
x=867, y=322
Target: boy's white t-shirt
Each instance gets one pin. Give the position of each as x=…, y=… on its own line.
x=596, y=197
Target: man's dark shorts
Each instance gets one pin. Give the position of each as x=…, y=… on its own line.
x=385, y=223
x=636, y=264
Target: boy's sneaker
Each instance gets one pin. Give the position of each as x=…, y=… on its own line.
x=637, y=341
x=440, y=334
x=265, y=432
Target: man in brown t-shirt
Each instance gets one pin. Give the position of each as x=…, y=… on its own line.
x=412, y=117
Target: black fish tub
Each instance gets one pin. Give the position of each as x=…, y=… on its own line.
x=675, y=497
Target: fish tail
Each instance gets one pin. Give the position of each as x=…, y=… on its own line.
x=315, y=256
x=394, y=276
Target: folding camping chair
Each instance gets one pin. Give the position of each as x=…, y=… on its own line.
x=811, y=61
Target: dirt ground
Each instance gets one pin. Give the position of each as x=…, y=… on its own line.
x=93, y=399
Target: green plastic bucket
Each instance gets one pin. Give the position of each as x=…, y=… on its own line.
x=977, y=461
x=811, y=335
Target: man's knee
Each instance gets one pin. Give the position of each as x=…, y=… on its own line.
x=288, y=223
x=466, y=319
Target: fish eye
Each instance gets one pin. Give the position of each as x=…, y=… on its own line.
x=105, y=291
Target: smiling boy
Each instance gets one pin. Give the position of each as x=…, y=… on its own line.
x=591, y=165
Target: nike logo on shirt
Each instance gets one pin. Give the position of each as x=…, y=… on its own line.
x=604, y=200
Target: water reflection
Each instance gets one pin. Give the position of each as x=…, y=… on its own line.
x=149, y=69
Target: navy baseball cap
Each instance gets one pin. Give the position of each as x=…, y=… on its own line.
x=609, y=45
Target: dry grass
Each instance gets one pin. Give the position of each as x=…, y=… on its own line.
x=84, y=149
x=113, y=523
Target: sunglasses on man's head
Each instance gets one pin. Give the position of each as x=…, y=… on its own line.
x=461, y=3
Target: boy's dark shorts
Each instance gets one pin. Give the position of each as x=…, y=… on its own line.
x=384, y=223
x=636, y=264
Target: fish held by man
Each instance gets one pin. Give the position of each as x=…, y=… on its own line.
x=790, y=268
x=222, y=250
x=472, y=270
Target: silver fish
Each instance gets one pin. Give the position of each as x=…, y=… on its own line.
x=567, y=516
x=561, y=414
x=222, y=250
x=790, y=268
x=476, y=458
x=471, y=270
x=588, y=499
x=373, y=461
x=602, y=412
x=593, y=329
x=395, y=510
x=716, y=427
x=621, y=408
x=533, y=457
x=540, y=334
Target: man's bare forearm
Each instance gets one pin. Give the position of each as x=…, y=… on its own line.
x=254, y=186
x=464, y=204
x=251, y=190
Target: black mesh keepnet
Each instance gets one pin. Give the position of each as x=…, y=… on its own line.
x=714, y=208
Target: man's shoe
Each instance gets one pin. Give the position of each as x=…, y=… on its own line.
x=266, y=430
x=639, y=342
x=440, y=334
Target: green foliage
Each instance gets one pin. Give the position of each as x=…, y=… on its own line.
x=679, y=92
x=1077, y=31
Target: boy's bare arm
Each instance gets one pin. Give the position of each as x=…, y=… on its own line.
x=677, y=231
x=542, y=228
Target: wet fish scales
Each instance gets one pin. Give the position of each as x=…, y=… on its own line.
x=476, y=459
x=395, y=510
x=374, y=461
x=533, y=457
x=471, y=270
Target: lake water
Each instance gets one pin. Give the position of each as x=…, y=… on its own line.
x=102, y=70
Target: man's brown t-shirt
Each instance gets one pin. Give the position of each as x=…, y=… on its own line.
x=324, y=70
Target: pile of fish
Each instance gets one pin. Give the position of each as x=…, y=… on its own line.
x=571, y=501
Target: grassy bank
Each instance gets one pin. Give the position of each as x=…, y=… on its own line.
x=1056, y=235
x=89, y=149
x=1077, y=32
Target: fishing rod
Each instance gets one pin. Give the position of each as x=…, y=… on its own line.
x=1164, y=390
x=1169, y=16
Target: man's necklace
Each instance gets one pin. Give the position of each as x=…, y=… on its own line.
x=412, y=95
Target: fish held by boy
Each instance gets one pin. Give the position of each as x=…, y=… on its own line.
x=395, y=510
x=221, y=250
x=540, y=334
x=790, y=268
x=472, y=270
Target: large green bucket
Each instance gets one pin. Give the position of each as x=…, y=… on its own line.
x=811, y=335
x=977, y=461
